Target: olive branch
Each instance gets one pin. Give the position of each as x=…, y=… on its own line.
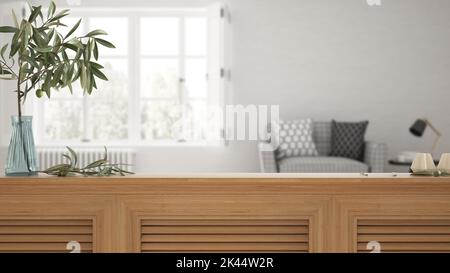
x=101, y=167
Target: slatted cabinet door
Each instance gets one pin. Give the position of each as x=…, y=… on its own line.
x=224, y=235
x=421, y=235
x=44, y=235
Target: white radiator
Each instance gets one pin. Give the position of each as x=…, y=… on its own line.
x=48, y=157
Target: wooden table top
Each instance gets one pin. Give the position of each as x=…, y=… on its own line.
x=228, y=184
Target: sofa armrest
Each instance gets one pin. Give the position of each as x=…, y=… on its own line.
x=267, y=160
x=375, y=156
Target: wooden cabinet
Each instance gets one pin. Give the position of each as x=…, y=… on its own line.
x=210, y=214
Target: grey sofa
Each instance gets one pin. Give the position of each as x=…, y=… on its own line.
x=375, y=157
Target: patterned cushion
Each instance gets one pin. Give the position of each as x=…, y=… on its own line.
x=321, y=164
x=295, y=139
x=348, y=139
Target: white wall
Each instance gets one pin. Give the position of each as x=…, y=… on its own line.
x=329, y=59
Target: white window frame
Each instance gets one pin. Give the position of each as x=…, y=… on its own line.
x=134, y=57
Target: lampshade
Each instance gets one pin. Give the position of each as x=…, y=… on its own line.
x=418, y=128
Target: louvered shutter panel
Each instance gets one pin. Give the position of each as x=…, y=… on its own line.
x=224, y=235
x=421, y=235
x=44, y=235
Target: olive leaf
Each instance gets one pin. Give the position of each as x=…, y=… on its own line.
x=96, y=164
x=96, y=33
x=73, y=156
x=73, y=29
x=8, y=29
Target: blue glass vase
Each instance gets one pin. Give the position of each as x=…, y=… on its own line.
x=21, y=160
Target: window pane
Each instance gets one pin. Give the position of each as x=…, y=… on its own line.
x=196, y=83
x=64, y=93
x=108, y=106
x=117, y=29
x=195, y=126
x=116, y=70
x=109, y=123
x=159, y=36
x=196, y=33
x=160, y=120
x=63, y=119
x=159, y=78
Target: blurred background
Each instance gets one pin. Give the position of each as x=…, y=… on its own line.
x=319, y=59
